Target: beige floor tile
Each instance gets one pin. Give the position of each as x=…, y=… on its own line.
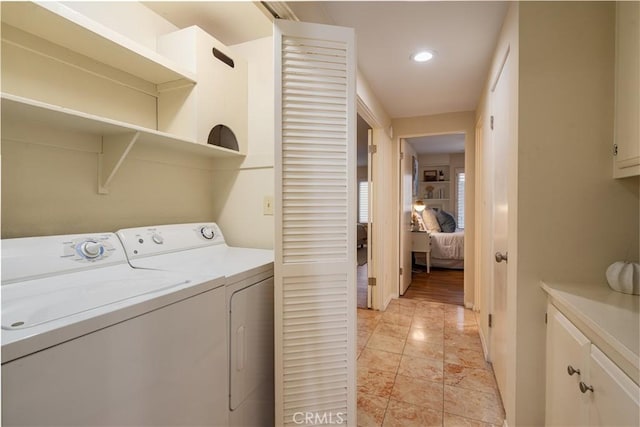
x=422, y=368
x=471, y=378
x=396, y=318
x=451, y=420
x=379, y=360
x=485, y=407
x=371, y=410
x=377, y=383
x=386, y=343
x=467, y=341
x=366, y=325
x=465, y=357
x=427, y=323
x=430, y=305
x=402, y=414
x=426, y=334
x=392, y=330
x=363, y=337
x=419, y=392
x=432, y=350
x=369, y=314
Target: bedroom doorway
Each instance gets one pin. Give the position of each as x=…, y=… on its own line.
x=437, y=212
x=364, y=232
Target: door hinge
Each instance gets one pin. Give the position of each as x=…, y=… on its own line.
x=401, y=270
x=490, y=320
x=373, y=149
x=615, y=149
x=491, y=122
x=401, y=156
x=372, y=281
x=545, y=318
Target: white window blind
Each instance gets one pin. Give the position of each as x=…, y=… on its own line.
x=363, y=201
x=460, y=198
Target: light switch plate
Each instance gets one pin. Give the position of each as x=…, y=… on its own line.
x=267, y=207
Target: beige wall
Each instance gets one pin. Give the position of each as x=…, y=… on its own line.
x=574, y=219
x=240, y=189
x=571, y=218
x=442, y=124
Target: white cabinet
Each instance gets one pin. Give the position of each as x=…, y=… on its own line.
x=421, y=242
x=219, y=98
x=567, y=359
x=627, y=93
x=583, y=386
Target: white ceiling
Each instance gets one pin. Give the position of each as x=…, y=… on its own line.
x=462, y=34
x=438, y=144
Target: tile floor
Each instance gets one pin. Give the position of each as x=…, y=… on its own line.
x=420, y=363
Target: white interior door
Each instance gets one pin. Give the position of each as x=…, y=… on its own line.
x=406, y=191
x=371, y=266
x=315, y=222
x=500, y=120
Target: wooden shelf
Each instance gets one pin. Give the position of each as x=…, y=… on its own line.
x=118, y=137
x=436, y=182
x=63, y=26
x=435, y=200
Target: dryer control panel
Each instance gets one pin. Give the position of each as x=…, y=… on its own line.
x=160, y=239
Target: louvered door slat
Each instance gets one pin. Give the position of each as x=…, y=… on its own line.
x=315, y=224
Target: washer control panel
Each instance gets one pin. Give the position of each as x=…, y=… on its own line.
x=88, y=248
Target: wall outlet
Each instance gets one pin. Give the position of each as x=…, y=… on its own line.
x=267, y=206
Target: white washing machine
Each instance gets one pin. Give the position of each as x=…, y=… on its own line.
x=201, y=248
x=88, y=340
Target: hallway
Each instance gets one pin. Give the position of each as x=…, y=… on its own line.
x=420, y=363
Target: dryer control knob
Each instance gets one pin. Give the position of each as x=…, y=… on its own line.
x=207, y=232
x=157, y=239
x=91, y=249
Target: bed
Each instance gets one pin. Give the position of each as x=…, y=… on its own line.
x=447, y=248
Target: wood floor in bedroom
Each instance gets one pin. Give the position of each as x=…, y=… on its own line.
x=440, y=285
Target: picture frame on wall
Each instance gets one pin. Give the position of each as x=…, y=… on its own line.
x=430, y=175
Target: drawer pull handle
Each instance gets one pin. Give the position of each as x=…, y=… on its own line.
x=584, y=388
x=571, y=370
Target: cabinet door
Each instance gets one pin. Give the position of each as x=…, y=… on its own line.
x=614, y=400
x=566, y=347
x=627, y=101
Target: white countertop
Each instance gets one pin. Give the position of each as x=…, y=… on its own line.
x=610, y=319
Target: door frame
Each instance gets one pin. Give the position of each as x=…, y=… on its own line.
x=375, y=293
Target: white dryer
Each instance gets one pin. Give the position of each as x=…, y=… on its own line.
x=202, y=248
x=88, y=340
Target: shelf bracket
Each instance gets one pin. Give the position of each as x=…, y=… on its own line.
x=115, y=149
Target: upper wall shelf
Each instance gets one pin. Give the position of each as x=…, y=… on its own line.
x=22, y=109
x=118, y=137
x=62, y=25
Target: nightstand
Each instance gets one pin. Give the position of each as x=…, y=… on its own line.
x=421, y=242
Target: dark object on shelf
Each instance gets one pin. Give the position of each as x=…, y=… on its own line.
x=430, y=175
x=441, y=176
x=223, y=136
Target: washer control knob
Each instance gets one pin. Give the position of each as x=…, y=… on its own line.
x=157, y=239
x=91, y=249
x=207, y=232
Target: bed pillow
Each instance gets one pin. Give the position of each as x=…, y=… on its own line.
x=446, y=221
x=430, y=220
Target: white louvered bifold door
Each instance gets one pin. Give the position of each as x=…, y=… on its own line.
x=315, y=264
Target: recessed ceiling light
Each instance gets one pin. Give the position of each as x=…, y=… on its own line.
x=422, y=56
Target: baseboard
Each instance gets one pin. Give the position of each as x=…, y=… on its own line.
x=483, y=342
x=468, y=305
x=386, y=303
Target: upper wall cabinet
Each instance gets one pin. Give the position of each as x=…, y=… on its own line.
x=219, y=98
x=627, y=93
